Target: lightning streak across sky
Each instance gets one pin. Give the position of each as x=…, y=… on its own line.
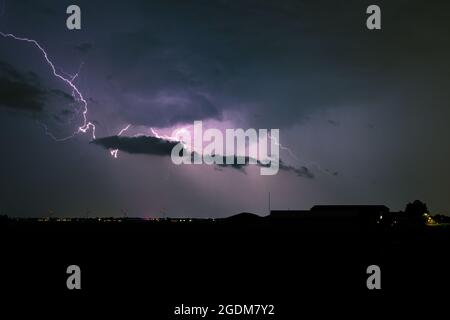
x=69, y=80
x=174, y=137
x=78, y=96
x=114, y=152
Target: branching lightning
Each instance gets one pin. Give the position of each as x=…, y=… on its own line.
x=169, y=138
x=115, y=152
x=86, y=125
x=69, y=81
x=174, y=137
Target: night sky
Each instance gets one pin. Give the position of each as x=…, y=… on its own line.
x=365, y=113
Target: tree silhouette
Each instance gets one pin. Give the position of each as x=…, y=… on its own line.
x=416, y=210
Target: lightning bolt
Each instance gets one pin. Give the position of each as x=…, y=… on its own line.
x=115, y=152
x=174, y=137
x=124, y=129
x=283, y=147
x=170, y=138
x=69, y=81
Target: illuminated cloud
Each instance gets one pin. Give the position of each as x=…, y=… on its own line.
x=161, y=147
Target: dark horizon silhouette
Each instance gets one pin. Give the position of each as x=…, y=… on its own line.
x=377, y=217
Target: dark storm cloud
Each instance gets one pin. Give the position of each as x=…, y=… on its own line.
x=60, y=94
x=234, y=164
x=24, y=90
x=239, y=166
x=84, y=47
x=334, y=123
x=301, y=172
x=137, y=145
x=170, y=108
x=160, y=79
x=20, y=91
x=282, y=60
x=181, y=62
x=238, y=62
x=67, y=112
x=38, y=8
x=161, y=147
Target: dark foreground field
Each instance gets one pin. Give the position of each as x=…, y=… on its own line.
x=151, y=267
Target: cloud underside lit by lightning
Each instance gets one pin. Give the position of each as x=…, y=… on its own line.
x=158, y=146
x=86, y=125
